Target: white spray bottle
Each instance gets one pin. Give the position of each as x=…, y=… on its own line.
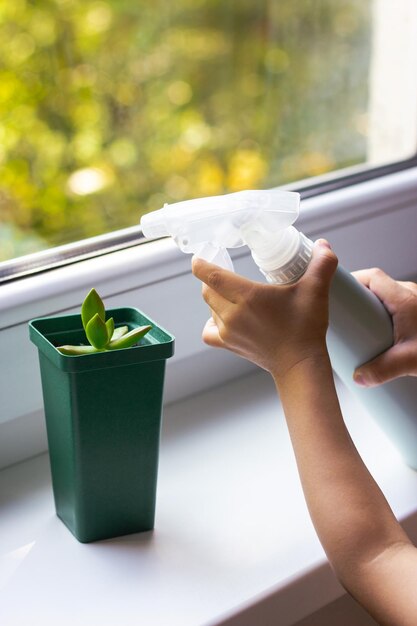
x=360, y=327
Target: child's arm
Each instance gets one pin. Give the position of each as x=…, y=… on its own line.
x=282, y=329
x=400, y=299
x=370, y=553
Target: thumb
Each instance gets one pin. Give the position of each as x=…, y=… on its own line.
x=322, y=267
x=391, y=364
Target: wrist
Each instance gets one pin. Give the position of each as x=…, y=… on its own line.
x=301, y=365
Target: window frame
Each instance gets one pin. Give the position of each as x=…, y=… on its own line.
x=368, y=223
x=121, y=239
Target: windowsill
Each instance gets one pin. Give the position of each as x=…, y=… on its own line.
x=233, y=541
x=367, y=224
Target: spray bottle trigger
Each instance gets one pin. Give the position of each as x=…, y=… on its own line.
x=217, y=256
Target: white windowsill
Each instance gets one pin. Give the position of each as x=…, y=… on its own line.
x=233, y=542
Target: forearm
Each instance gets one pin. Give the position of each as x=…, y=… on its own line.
x=351, y=516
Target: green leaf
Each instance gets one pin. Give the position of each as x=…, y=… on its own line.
x=130, y=338
x=119, y=332
x=77, y=350
x=92, y=305
x=96, y=332
x=110, y=329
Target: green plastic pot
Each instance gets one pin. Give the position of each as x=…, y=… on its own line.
x=103, y=417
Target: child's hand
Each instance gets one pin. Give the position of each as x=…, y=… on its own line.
x=274, y=326
x=400, y=299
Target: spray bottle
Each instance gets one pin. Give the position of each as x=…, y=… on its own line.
x=360, y=328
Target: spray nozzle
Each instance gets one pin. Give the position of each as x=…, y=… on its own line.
x=208, y=226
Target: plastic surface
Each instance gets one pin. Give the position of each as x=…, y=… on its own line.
x=360, y=329
x=206, y=227
x=218, y=256
x=292, y=267
x=103, y=416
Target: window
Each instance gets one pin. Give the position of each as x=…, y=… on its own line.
x=111, y=107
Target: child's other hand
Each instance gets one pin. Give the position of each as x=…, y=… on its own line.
x=400, y=299
x=274, y=326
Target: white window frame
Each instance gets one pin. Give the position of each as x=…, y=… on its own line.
x=373, y=223
x=392, y=119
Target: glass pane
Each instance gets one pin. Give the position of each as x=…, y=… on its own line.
x=110, y=108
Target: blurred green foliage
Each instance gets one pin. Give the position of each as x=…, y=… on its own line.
x=109, y=108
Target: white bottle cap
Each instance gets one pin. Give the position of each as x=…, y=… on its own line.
x=282, y=258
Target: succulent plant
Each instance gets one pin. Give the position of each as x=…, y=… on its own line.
x=102, y=334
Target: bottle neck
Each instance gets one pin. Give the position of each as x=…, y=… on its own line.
x=282, y=258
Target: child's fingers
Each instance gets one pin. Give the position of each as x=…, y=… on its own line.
x=397, y=361
x=364, y=276
x=211, y=334
x=321, y=268
x=215, y=301
x=408, y=284
x=229, y=285
x=388, y=290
